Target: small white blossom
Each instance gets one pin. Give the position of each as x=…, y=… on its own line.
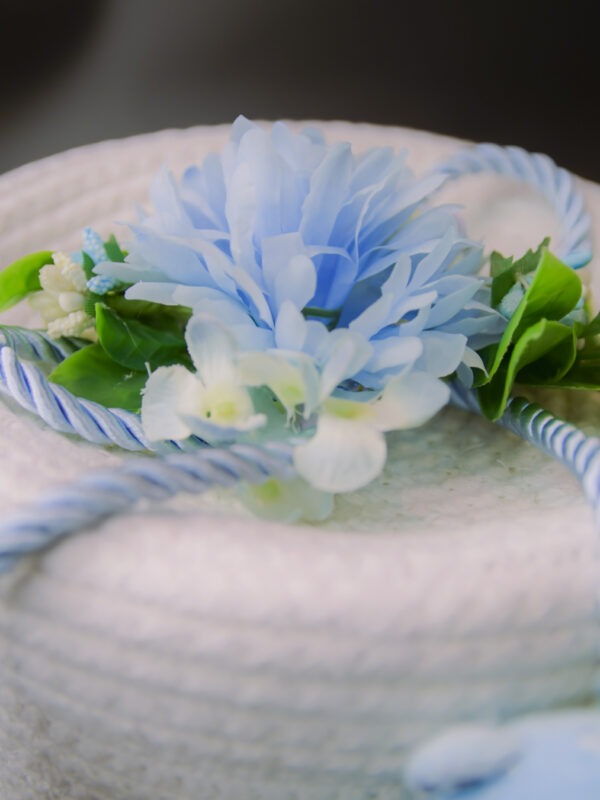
x=212, y=402
x=61, y=302
x=348, y=449
x=288, y=500
x=339, y=440
x=76, y=323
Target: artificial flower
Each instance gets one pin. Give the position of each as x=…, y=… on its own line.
x=211, y=402
x=326, y=303
x=326, y=275
x=348, y=449
x=287, y=500
x=62, y=299
x=283, y=223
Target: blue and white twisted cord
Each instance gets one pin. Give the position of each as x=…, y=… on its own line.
x=37, y=346
x=103, y=494
x=541, y=173
x=555, y=437
x=27, y=385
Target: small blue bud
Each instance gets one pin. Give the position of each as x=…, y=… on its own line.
x=93, y=245
x=101, y=284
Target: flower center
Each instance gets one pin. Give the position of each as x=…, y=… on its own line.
x=348, y=409
x=226, y=405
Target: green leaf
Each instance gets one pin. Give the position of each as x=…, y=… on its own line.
x=591, y=329
x=543, y=354
x=113, y=251
x=499, y=263
x=87, y=263
x=539, y=346
x=89, y=303
x=22, y=278
x=553, y=292
x=150, y=313
x=585, y=372
x=583, y=375
x=92, y=374
x=506, y=273
x=134, y=344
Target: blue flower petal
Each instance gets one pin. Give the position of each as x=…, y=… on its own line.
x=442, y=352
x=281, y=221
x=328, y=188
x=290, y=327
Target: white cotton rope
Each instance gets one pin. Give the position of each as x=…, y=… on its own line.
x=100, y=495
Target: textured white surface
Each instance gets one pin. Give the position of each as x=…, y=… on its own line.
x=190, y=651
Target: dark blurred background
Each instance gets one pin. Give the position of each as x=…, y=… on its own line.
x=78, y=71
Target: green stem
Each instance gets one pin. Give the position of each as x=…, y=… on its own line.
x=325, y=313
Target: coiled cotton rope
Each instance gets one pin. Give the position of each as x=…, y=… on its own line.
x=102, y=494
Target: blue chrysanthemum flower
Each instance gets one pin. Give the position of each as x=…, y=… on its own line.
x=282, y=221
x=321, y=265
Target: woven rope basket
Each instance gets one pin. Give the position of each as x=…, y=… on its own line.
x=190, y=651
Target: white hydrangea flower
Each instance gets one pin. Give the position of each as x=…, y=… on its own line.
x=349, y=449
x=339, y=440
x=212, y=402
x=290, y=501
x=61, y=302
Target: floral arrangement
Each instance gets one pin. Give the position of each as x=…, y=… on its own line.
x=292, y=290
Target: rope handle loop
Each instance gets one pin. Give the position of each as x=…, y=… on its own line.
x=540, y=172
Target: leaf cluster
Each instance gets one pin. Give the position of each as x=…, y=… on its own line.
x=134, y=337
x=541, y=344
